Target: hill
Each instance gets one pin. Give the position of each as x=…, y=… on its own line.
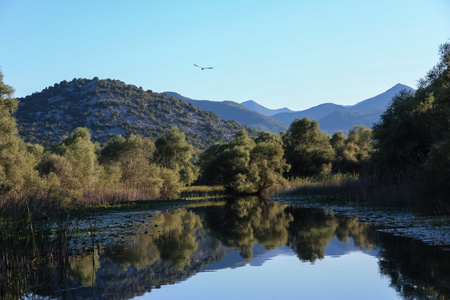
x=230, y=110
x=111, y=107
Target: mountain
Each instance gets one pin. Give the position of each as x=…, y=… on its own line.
x=313, y=113
x=250, y=104
x=383, y=99
x=334, y=117
x=344, y=120
x=230, y=110
x=111, y=107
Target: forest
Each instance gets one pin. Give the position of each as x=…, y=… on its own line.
x=404, y=159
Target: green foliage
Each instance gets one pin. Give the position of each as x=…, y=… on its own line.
x=132, y=156
x=308, y=149
x=174, y=153
x=412, y=137
x=267, y=165
x=171, y=183
x=113, y=107
x=79, y=151
x=172, y=150
x=243, y=164
x=60, y=167
x=16, y=163
x=354, y=152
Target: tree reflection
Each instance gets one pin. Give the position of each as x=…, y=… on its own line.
x=243, y=223
x=417, y=271
x=310, y=232
x=84, y=268
x=141, y=254
x=176, y=239
x=175, y=244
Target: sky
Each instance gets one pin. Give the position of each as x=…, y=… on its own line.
x=283, y=53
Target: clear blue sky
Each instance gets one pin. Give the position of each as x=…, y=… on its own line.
x=282, y=53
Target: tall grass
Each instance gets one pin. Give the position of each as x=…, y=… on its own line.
x=202, y=192
x=332, y=184
x=409, y=191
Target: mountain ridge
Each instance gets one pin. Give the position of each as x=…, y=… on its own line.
x=230, y=110
x=253, y=105
x=335, y=117
x=331, y=117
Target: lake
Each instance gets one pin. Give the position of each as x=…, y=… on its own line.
x=242, y=249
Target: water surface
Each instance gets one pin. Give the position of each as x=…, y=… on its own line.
x=247, y=249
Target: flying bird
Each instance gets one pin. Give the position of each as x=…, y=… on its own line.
x=203, y=68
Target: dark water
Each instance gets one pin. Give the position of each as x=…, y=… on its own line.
x=247, y=249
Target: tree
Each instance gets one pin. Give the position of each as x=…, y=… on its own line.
x=411, y=140
x=402, y=138
x=227, y=164
x=358, y=148
x=132, y=156
x=17, y=172
x=79, y=150
x=61, y=167
x=352, y=153
x=243, y=165
x=174, y=153
x=338, y=141
x=308, y=149
x=267, y=165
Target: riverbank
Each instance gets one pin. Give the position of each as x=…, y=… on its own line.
x=431, y=230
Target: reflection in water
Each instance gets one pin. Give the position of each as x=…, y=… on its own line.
x=149, y=251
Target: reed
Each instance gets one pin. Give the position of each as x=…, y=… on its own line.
x=202, y=191
x=333, y=184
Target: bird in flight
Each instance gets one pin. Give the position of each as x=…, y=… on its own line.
x=203, y=68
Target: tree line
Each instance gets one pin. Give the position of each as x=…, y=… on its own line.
x=78, y=170
x=410, y=144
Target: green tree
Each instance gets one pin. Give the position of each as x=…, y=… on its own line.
x=358, y=148
x=132, y=155
x=267, y=165
x=308, y=149
x=243, y=164
x=17, y=174
x=228, y=164
x=338, y=141
x=352, y=153
x=402, y=139
x=171, y=184
x=61, y=167
x=79, y=150
x=174, y=153
x=411, y=140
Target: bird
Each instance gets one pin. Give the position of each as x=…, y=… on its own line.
x=203, y=68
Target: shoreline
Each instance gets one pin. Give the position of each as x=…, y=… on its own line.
x=431, y=230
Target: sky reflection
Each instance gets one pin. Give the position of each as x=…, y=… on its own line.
x=282, y=275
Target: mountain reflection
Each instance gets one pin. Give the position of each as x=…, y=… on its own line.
x=179, y=243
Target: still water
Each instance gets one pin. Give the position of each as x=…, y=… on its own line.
x=246, y=249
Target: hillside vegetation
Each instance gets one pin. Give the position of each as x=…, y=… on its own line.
x=111, y=107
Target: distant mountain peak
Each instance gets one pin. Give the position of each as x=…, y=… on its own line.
x=382, y=100
x=253, y=105
x=230, y=110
